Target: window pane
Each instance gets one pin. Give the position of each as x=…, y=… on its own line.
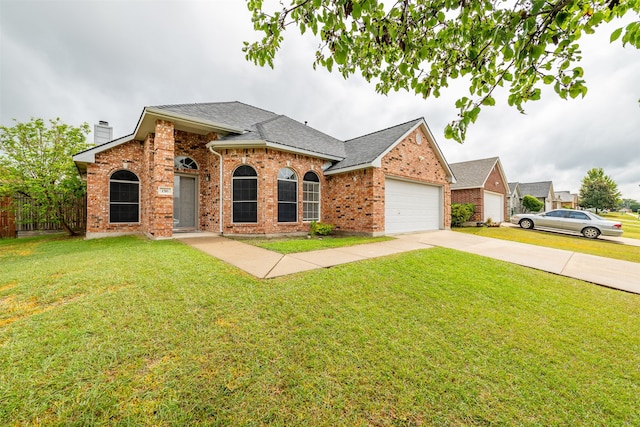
x=124, y=176
x=123, y=213
x=245, y=190
x=182, y=162
x=310, y=211
x=287, y=191
x=287, y=174
x=287, y=212
x=245, y=171
x=123, y=192
x=310, y=176
x=245, y=212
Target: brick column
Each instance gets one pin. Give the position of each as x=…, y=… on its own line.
x=161, y=183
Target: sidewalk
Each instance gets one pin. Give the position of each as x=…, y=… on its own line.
x=266, y=264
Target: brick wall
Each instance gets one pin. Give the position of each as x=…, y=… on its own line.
x=267, y=163
x=413, y=158
x=356, y=199
x=475, y=196
x=352, y=201
x=129, y=156
x=207, y=176
x=495, y=184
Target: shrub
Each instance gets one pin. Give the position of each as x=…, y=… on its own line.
x=532, y=204
x=461, y=212
x=321, y=228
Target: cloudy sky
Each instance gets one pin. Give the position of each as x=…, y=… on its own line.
x=91, y=60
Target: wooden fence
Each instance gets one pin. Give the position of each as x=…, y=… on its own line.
x=16, y=218
x=7, y=219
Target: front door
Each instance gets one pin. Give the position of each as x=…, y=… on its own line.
x=184, y=202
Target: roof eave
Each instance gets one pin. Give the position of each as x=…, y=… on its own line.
x=270, y=144
x=89, y=155
x=432, y=141
x=188, y=121
x=349, y=168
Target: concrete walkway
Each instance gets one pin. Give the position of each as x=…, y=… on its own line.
x=266, y=264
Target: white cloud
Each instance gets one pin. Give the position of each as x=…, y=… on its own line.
x=106, y=60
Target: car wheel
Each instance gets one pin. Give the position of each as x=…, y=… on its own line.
x=591, y=233
x=526, y=223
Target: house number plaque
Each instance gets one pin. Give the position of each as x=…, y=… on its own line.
x=165, y=191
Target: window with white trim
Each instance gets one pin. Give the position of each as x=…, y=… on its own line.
x=287, y=196
x=245, y=195
x=124, y=197
x=310, y=197
x=184, y=162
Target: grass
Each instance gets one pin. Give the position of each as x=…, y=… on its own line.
x=630, y=223
x=125, y=331
x=568, y=242
x=288, y=245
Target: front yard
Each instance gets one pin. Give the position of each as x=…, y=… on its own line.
x=125, y=331
x=600, y=247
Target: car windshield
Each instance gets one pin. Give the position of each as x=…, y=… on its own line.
x=598, y=217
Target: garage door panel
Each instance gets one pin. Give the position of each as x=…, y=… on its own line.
x=411, y=206
x=493, y=206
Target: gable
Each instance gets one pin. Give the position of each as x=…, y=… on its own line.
x=543, y=189
x=477, y=173
x=369, y=150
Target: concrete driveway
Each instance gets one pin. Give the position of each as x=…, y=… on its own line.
x=622, y=275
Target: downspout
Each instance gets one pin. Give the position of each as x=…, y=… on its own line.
x=210, y=146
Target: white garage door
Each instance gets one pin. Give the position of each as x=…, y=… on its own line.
x=493, y=206
x=410, y=206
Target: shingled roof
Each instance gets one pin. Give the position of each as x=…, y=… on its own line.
x=238, y=124
x=365, y=149
x=474, y=173
x=536, y=189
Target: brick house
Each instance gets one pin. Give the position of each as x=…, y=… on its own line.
x=483, y=184
x=543, y=191
x=232, y=168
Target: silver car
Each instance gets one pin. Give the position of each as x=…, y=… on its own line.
x=586, y=223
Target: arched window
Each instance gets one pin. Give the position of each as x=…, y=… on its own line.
x=310, y=197
x=124, y=197
x=287, y=196
x=245, y=194
x=184, y=162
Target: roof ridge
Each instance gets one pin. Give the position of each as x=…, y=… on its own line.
x=213, y=103
x=476, y=160
x=382, y=130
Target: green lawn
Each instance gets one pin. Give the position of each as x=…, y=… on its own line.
x=125, y=331
x=630, y=223
x=289, y=245
x=568, y=242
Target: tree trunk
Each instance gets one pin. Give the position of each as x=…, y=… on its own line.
x=68, y=229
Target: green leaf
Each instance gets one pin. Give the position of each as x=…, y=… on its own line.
x=340, y=54
x=489, y=101
x=548, y=79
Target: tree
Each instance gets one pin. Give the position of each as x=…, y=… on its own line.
x=532, y=204
x=37, y=162
x=421, y=45
x=598, y=191
x=632, y=204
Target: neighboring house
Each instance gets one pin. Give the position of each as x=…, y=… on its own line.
x=514, y=204
x=231, y=168
x=564, y=199
x=542, y=191
x=483, y=184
